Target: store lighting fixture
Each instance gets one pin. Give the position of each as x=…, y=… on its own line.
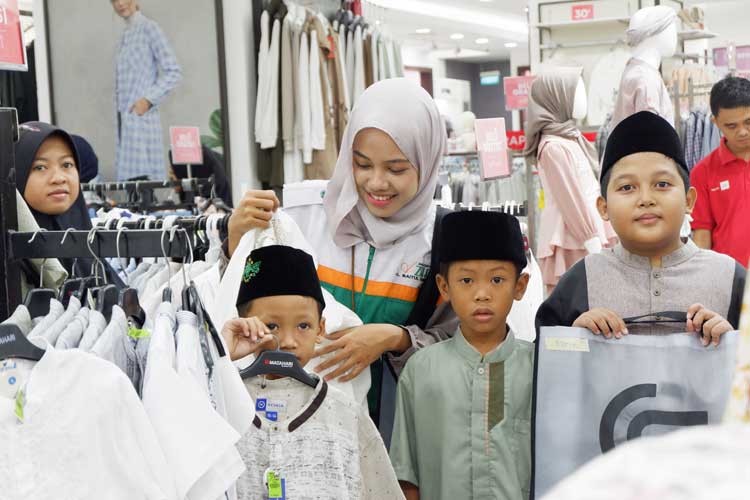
x=511, y=45
x=423, y=31
x=482, y=41
x=457, y=36
x=513, y=26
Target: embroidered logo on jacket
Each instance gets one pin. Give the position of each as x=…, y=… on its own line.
x=416, y=271
x=251, y=270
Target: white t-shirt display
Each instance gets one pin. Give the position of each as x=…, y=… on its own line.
x=320, y=443
x=83, y=435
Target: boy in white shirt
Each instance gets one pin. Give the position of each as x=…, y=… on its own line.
x=304, y=442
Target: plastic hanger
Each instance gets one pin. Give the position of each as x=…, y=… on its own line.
x=127, y=298
x=281, y=363
x=14, y=344
x=105, y=296
x=38, y=299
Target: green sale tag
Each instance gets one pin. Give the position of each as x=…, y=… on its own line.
x=274, y=485
x=20, y=402
x=135, y=333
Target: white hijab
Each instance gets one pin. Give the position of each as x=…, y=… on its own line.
x=407, y=113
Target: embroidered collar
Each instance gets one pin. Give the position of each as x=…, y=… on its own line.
x=470, y=354
x=682, y=254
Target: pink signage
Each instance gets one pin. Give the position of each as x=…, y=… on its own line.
x=517, y=90
x=582, y=12
x=492, y=146
x=186, y=145
x=12, y=49
x=743, y=58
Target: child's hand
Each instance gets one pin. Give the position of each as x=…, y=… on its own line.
x=602, y=321
x=244, y=336
x=714, y=326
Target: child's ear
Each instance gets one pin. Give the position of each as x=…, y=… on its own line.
x=521, y=283
x=442, y=285
x=322, y=331
x=601, y=205
x=691, y=198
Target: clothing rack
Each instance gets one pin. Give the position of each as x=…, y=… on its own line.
x=509, y=207
x=693, y=91
x=10, y=276
x=141, y=195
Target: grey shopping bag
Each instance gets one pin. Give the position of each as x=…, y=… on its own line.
x=593, y=394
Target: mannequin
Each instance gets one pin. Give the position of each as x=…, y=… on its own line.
x=653, y=36
x=570, y=226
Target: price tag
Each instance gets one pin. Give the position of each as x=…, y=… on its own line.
x=276, y=486
x=582, y=12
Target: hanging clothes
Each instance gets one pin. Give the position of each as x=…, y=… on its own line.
x=266, y=109
x=359, y=65
x=145, y=68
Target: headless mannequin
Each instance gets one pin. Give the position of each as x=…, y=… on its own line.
x=571, y=190
x=642, y=87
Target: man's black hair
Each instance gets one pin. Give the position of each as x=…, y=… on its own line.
x=604, y=183
x=729, y=93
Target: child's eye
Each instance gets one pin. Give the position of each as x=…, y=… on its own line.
x=465, y=281
x=625, y=188
x=497, y=280
x=304, y=326
x=272, y=326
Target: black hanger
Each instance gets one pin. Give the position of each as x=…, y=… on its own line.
x=281, y=363
x=14, y=344
x=106, y=298
x=658, y=317
x=37, y=301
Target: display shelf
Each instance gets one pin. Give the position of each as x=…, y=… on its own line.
x=604, y=20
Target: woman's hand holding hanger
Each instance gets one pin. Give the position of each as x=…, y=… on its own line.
x=254, y=211
x=357, y=348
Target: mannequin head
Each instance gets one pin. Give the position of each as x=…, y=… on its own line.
x=653, y=34
x=580, y=101
x=125, y=8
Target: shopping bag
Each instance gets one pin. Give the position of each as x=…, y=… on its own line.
x=592, y=394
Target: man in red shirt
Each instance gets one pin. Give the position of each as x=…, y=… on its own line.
x=721, y=218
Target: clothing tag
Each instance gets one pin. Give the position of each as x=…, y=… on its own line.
x=566, y=344
x=20, y=403
x=9, y=378
x=138, y=333
x=724, y=185
x=276, y=405
x=272, y=416
x=541, y=199
x=276, y=486
x=260, y=404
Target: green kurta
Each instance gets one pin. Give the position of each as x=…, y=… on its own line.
x=463, y=421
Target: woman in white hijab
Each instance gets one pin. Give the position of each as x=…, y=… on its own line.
x=373, y=233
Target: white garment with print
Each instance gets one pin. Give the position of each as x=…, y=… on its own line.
x=322, y=444
x=84, y=435
x=284, y=231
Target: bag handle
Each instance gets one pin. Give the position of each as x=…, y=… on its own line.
x=658, y=317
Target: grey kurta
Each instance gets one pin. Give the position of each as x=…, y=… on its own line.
x=463, y=421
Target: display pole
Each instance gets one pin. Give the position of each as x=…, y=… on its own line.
x=10, y=278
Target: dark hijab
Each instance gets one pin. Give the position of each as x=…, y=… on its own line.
x=32, y=135
x=89, y=166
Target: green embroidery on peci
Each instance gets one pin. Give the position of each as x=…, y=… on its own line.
x=251, y=270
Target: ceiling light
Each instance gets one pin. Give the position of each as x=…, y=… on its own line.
x=457, y=36
x=482, y=41
x=423, y=31
x=511, y=45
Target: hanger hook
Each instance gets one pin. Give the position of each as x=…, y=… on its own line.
x=41, y=273
x=119, y=259
x=33, y=236
x=100, y=265
x=65, y=235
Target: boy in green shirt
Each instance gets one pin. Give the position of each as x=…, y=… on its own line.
x=463, y=407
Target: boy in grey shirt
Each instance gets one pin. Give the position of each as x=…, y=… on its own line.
x=646, y=194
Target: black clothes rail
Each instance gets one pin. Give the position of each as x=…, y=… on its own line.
x=192, y=224
x=103, y=243
x=141, y=197
x=517, y=209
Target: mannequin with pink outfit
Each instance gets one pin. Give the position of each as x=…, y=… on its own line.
x=570, y=226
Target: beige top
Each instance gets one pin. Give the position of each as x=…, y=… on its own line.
x=642, y=89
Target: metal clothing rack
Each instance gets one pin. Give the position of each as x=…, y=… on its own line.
x=140, y=194
x=693, y=91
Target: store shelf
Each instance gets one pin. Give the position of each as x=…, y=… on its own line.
x=696, y=35
x=605, y=20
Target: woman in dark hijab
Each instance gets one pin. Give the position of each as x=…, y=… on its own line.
x=47, y=176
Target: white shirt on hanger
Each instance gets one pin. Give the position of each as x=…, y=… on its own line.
x=359, y=64
x=317, y=110
x=84, y=434
x=266, y=105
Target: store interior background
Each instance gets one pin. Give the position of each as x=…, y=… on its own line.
x=448, y=46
